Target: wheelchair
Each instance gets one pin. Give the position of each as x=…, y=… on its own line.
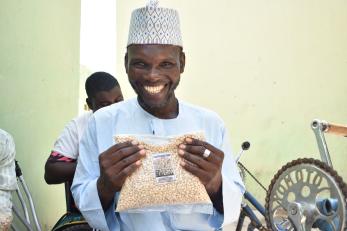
x=72, y=220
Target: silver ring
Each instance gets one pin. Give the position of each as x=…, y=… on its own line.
x=206, y=153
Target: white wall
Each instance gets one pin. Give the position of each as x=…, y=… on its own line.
x=98, y=41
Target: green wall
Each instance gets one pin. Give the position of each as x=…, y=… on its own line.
x=268, y=68
x=39, y=74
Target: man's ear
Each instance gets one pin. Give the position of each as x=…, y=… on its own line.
x=182, y=61
x=126, y=62
x=89, y=103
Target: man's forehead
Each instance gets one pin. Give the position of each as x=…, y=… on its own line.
x=115, y=91
x=153, y=49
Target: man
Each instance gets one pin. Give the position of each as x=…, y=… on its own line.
x=102, y=90
x=154, y=62
x=7, y=179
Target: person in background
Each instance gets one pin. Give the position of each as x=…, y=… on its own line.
x=102, y=90
x=154, y=61
x=8, y=181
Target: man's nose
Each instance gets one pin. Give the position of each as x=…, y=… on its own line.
x=153, y=73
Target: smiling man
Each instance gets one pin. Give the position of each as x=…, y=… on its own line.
x=154, y=62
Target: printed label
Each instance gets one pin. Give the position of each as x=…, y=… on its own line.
x=163, y=170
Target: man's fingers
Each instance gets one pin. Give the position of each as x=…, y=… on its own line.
x=196, y=142
x=199, y=150
x=113, y=149
x=125, y=152
x=129, y=170
x=118, y=146
x=116, y=178
x=107, y=160
x=197, y=160
x=196, y=171
x=123, y=163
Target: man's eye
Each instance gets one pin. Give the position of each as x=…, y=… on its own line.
x=139, y=65
x=167, y=65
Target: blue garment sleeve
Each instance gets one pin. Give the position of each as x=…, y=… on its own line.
x=84, y=187
x=216, y=220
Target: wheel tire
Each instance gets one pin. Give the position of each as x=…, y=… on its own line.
x=78, y=227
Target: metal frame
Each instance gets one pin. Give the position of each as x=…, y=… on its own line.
x=23, y=213
x=246, y=210
x=318, y=127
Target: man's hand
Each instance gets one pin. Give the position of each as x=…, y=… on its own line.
x=116, y=164
x=207, y=169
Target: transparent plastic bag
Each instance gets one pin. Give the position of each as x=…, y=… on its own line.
x=160, y=183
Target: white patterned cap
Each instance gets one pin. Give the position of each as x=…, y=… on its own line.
x=155, y=25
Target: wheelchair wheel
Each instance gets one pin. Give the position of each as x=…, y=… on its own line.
x=80, y=227
x=71, y=222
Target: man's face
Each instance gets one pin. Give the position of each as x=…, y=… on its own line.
x=105, y=98
x=154, y=73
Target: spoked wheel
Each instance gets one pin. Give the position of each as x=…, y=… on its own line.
x=306, y=194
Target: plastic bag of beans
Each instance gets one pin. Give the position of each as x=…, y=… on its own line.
x=160, y=183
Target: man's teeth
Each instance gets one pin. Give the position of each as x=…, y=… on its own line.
x=154, y=89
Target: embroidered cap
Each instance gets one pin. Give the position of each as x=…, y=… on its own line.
x=154, y=25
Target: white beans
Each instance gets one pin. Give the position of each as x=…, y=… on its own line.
x=160, y=180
